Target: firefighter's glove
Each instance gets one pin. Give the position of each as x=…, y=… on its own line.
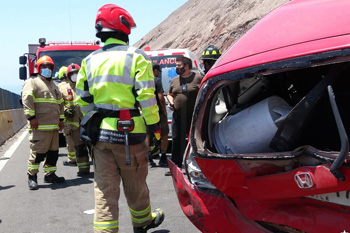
x=155, y=129
x=157, y=134
x=69, y=112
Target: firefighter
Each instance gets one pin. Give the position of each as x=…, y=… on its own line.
x=209, y=56
x=62, y=74
x=62, y=78
x=71, y=158
x=112, y=83
x=164, y=127
x=77, y=150
x=43, y=107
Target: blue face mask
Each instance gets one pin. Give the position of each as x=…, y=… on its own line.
x=46, y=72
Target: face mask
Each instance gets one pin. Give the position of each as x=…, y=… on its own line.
x=46, y=72
x=74, y=78
x=180, y=71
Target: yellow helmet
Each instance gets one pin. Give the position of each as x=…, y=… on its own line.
x=62, y=72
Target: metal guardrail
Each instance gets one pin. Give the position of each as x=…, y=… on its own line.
x=12, y=116
x=11, y=121
x=9, y=100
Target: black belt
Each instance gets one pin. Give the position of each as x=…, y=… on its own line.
x=111, y=113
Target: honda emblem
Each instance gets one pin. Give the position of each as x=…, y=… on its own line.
x=304, y=180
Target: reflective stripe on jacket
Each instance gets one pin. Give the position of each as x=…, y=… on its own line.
x=42, y=99
x=118, y=77
x=72, y=123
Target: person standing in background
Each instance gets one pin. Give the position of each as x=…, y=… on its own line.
x=182, y=95
x=209, y=56
x=62, y=72
x=62, y=86
x=164, y=127
x=77, y=150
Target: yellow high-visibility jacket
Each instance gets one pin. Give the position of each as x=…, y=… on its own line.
x=118, y=77
x=70, y=102
x=42, y=100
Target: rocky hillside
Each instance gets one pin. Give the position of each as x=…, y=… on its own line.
x=198, y=23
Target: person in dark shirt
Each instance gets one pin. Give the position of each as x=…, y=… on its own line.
x=182, y=94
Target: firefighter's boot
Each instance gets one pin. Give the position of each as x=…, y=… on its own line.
x=150, y=160
x=163, y=161
x=33, y=182
x=82, y=156
x=70, y=163
x=157, y=219
x=53, y=178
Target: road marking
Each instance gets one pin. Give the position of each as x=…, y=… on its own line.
x=92, y=211
x=12, y=149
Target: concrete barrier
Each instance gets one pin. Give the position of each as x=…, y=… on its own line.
x=11, y=121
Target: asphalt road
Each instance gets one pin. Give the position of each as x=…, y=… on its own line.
x=68, y=207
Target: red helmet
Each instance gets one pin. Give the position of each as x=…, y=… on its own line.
x=45, y=60
x=72, y=68
x=111, y=18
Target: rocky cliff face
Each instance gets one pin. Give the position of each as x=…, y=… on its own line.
x=198, y=23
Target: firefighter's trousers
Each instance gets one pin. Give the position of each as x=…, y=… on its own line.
x=81, y=155
x=110, y=170
x=70, y=145
x=43, y=147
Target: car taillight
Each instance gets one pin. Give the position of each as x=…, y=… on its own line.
x=195, y=175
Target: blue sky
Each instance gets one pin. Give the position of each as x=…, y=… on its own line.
x=24, y=22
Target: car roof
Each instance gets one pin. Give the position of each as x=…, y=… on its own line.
x=297, y=28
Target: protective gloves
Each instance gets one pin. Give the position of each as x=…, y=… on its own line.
x=157, y=134
x=69, y=112
x=155, y=129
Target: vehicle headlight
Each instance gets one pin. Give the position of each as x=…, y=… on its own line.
x=195, y=174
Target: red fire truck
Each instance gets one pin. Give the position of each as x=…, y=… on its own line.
x=62, y=53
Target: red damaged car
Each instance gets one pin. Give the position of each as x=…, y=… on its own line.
x=269, y=148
